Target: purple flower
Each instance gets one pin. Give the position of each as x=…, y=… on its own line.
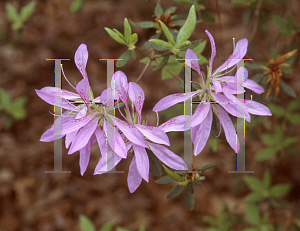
x=215, y=99
x=85, y=124
x=139, y=136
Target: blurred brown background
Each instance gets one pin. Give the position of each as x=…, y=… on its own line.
x=33, y=200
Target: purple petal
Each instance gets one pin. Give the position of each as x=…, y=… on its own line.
x=69, y=138
x=154, y=134
x=83, y=136
x=49, y=97
x=253, y=86
x=191, y=60
x=213, y=51
x=238, y=53
x=167, y=157
x=81, y=113
x=120, y=84
x=81, y=57
x=115, y=140
x=132, y=133
x=83, y=89
x=229, y=129
x=174, y=124
x=173, y=99
x=257, y=108
x=107, y=163
x=134, y=178
x=137, y=97
x=101, y=139
x=75, y=124
x=200, y=114
x=142, y=161
x=231, y=105
x=64, y=93
x=84, y=156
x=203, y=133
x=217, y=85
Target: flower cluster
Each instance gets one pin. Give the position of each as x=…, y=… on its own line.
x=217, y=95
x=91, y=122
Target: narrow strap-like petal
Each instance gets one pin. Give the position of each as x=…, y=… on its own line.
x=81, y=58
x=200, y=114
x=175, y=124
x=253, y=86
x=84, y=156
x=49, y=96
x=257, y=108
x=238, y=53
x=154, y=134
x=107, y=164
x=142, y=161
x=203, y=133
x=131, y=132
x=229, y=129
x=119, y=84
x=101, y=139
x=137, y=97
x=134, y=178
x=115, y=140
x=173, y=99
x=213, y=51
x=83, y=136
x=75, y=124
x=167, y=157
x=191, y=60
x=69, y=138
x=83, y=88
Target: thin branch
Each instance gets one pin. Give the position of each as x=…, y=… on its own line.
x=256, y=14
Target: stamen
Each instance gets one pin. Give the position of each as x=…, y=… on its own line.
x=157, y=118
x=62, y=70
x=250, y=102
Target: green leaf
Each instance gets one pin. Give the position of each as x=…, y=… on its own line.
x=161, y=43
x=279, y=111
x=267, y=139
x=294, y=105
x=127, y=30
x=133, y=54
x=254, y=197
x=115, y=36
x=5, y=98
x=210, y=220
x=27, y=11
x=198, y=183
x=199, y=7
x=280, y=190
x=172, y=10
x=183, y=44
x=125, y=56
x=265, y=154
x=162, y=64
x=253, y=183
x=120, y=35
x=86, y=224
x=279, y=21
x=133, y=38
x=206, y=167
x=167, y=33
x=174, y=67
x=289, y=141
x=207, y=17
x=121, y=229
x=142, y=228
x=187, y=29
x=179, y=22
x=173, y=174
x=75, y=6
x=17, y=25
x=155, y=167
x=294, y=119
x=287, y=89
x=267, y=180
x=200, y=47
x=165, y=180
x=252, y=214
x=12, y=13
x=214, y=145
x=107, y=226
x=188, y=196
x=176, y=190
x=145, y=24
x=158, y=10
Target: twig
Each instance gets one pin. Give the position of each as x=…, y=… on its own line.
x=144, y=70
x=256, y=14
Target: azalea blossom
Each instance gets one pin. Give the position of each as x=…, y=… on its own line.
x=216, y=95
x=139, y=136
x=85, y=124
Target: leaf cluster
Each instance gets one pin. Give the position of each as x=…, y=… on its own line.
x=11, y=108
x=18, y=19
